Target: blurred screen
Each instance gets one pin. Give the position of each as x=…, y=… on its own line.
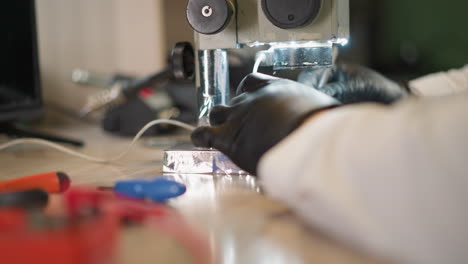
x=422, y=35
x=407, y=39
x=19, y=85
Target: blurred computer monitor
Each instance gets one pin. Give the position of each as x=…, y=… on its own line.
x=20, y=91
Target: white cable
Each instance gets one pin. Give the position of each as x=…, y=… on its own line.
x=91, y=158
x=258, y=62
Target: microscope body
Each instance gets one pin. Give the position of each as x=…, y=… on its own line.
x=298, y=34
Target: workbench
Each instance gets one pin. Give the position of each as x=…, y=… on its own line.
x=242, y=224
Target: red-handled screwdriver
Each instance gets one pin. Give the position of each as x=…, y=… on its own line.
x=51, y=182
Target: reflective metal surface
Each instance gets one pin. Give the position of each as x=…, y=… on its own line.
x=289, y=56
x=213, y=81
x=199, y=161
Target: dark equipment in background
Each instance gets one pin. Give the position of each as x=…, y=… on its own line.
x=20, y=95
x=20, y=88
x=407, y=39
x=130, y=102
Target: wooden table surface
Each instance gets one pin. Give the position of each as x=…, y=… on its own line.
x=241, y=224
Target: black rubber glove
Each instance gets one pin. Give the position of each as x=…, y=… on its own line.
x=265, y=112
x=354, y=84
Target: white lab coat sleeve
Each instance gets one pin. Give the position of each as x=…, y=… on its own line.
x=390, y=180
x=442, y=83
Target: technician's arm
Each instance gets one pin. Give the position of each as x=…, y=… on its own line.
x=392, y=180
x=442, y=83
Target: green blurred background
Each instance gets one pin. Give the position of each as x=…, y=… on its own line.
x=408, y=38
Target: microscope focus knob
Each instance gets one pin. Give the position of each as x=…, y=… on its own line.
x=183, y=61
x=292, y=13
x=209, y=16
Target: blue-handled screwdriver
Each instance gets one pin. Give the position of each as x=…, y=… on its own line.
x=158, y=190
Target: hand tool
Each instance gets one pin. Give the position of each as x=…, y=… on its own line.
x=51, y=182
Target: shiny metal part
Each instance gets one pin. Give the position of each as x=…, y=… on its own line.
x=298, y=55
x=201, y=185
x=213, y=80
x=207, y=11
x=199, y=161
x=102, y=99
x=84, y=77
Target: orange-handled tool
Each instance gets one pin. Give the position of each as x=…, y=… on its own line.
x=51, y=182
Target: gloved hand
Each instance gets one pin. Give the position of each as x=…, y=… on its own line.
x=267, y=111
x=353, y=84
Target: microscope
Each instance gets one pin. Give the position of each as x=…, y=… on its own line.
x=297, y=34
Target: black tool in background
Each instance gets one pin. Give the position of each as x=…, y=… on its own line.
x=181, y=67
x=176, y=81
x=15, y=131
x=31, y=199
